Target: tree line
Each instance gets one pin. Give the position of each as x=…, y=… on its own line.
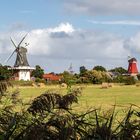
x=97, y=75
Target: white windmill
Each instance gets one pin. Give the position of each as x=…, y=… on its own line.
x=21, y=69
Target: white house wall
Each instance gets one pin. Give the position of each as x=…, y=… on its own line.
x=24, y=75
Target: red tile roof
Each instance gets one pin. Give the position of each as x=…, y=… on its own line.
x=52, y=77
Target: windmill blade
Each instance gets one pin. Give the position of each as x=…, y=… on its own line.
x=10, y=56
x=13, y=42
x=22, y=40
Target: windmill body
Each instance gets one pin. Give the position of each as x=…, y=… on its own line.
x=21, y=69
x=21, y=59
x=22, y=73
x=132, y=67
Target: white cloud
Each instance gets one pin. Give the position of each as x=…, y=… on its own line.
x=65, y=44
x=77, y=45
x=42, y=40
x=134, y=43
x=104, y=7
x=63, y=27
x=119, y=22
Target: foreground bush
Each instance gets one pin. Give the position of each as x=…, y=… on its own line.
x=50, y=117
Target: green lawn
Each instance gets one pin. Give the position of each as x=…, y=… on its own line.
x=92, y=96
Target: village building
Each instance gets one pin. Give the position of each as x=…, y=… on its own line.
x=52, y=77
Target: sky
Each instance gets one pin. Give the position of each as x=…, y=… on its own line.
x=78, y=32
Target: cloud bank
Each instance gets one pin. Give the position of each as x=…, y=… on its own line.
x=65, y=44
x=119, y=22
x=103, y=7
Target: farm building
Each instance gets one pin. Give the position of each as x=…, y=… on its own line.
x=52, y=77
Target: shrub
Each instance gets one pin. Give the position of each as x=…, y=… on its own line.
x=119, y=79
x=138, y=76
x=127, y=80
x=52, y=82
x=130, y=80
x=39, y=80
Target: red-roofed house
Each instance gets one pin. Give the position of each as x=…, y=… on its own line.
x=52, y=77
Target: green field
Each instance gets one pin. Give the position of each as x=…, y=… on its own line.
x=92, y=96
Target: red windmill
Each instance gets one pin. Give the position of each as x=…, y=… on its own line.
x=132, y=68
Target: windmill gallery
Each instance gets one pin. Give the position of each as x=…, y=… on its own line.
x=21, y=69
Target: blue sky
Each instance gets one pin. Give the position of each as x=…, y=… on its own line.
x=61, y=32
x=34, y=13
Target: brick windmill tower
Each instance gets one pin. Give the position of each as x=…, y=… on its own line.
x=132, y=67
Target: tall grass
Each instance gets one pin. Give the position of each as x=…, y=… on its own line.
x=50, y=116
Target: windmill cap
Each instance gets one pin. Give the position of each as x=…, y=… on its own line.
x=132, y=59
x=22, y=49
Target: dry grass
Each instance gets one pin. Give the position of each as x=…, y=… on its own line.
x=92, y=96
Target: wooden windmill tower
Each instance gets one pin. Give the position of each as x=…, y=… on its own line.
x=132, y=67
x=21, y=69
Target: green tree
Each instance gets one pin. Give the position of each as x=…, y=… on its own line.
x=68, y=78
x=99, y=68
x=83, y=70
x=97, y=77
x=94, y=76
x=119, y=70
x=129, y=80
x=38, y=72
x=5, y=73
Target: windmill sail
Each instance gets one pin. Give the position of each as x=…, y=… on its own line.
x=16, y=50
x=10, y=56
x=22, y=40
x=21, y=58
